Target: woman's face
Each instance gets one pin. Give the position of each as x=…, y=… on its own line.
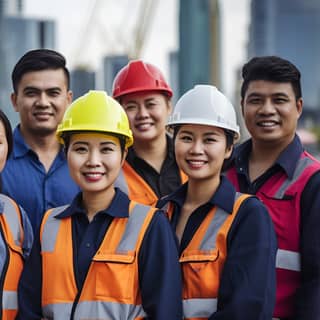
x=94, y=161
x=3, y=146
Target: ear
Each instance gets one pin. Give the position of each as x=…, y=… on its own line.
x=124, y=155
x=69, y=96
x=242, y=106
x=299, y=106
x=228, y=152
x=14, y=101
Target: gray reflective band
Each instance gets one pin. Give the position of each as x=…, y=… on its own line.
x=121, y=182
x=133, y=228
x=288, y=260
x=10, y=300
x=302, y=164
x=57, y=311
x=50, y=230
x=199, y=308
x=108, y=310
x=9, y=210
x=275, y=318
x=209, y=239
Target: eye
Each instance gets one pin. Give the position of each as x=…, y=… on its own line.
x=254, y=101
x=106, y=150
x=210, y=140
x=185, y=138
x=30, y=93
x=80, y=149
x=151, y=104
x=280, y=100
x=54, y=93
x=130, y=107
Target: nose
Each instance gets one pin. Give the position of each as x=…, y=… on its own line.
x=267, y=107
x=196, y=147
x=142, y=112
x=43, y=100
x=93, y=159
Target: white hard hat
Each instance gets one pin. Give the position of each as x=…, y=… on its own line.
x=206, y=105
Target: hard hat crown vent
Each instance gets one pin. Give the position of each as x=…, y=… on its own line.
x=206, y=105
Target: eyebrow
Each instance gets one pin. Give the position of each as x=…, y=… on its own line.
x=205, y=134
x=87, y=143
x=38, y=89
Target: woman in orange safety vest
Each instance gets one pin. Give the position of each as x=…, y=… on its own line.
x=227, y=241
x=15, y=235
x=103, y=256
x=150, y=170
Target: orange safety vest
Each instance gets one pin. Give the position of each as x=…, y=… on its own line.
x=111, y=288
x=137, y=189
x=203, y=260
x=11, y=263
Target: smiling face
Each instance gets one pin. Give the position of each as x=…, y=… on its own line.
x=41, y=100
x=147, y=114
x=94, y=161
x=201, y=150
x=271, y=111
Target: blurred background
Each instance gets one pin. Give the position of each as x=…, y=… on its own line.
x=192, y=41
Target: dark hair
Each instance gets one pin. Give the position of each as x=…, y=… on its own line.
x=8, y=131
x=37, y=60
x=67, y=136
x=271, y=68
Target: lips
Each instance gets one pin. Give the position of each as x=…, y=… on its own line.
x=143, y=126
x=267, y=123
x=195, y=164
x=93, y=176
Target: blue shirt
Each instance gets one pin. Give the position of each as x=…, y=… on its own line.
x=248, y=284
x=159, y=270
x=25, y=180
x=308, y=295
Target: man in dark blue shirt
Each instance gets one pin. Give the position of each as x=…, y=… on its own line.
x=36, y=175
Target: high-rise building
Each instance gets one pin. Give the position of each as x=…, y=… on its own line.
x=82, y=80
x=199, y=44
x=111, y=66
x=18, y=35
x=290, y=29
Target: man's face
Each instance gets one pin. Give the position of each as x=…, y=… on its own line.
x=271, y=111
x=41, y=100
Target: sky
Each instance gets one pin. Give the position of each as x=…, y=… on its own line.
x=87, y=30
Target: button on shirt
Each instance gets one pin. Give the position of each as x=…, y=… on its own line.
x=25, y=180
x=163, y=183
x=247, y=286
x=159, y=270
x=307, y=302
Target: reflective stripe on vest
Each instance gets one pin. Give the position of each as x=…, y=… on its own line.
x=12, y=231
x=206, y=252
x=199, y=308
x=288, y=260
x=301, y=165
x=97, y=308
x=10, y=300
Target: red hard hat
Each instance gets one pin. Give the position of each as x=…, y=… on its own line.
x=138, y=76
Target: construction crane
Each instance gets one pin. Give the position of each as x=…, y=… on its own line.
x=116, y=38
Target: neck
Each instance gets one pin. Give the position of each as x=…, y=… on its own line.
x=154, y=152
x=46, y=147
x=97, y=201
x=200, y=192
x=263, y=156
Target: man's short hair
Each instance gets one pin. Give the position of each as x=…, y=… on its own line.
x=37, y=60
x=271, y=68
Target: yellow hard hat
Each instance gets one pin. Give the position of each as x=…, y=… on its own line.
x=98, y=112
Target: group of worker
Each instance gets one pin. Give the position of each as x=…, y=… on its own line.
x=124, y=206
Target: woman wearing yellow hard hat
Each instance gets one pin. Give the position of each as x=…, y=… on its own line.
x=227, y=240
x=103, y=256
